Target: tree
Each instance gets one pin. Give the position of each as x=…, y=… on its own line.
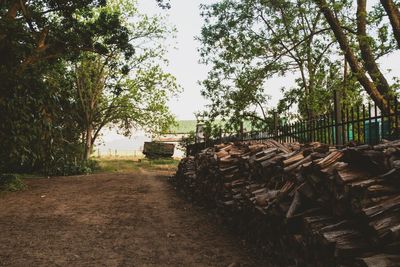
x=38, y=127
x=249, y=41
x=138, y=100
x=129, y=93
x=38, y=39
x=366, y=51
x=40, y=43
x=394, y=17
x=246, y=42
x=367, y=70
x=47, y=30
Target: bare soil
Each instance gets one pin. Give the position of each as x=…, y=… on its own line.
x=119, y=219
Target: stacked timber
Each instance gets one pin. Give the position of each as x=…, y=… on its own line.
x=303, y=204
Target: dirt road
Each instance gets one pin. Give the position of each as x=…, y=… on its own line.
x=132, y=219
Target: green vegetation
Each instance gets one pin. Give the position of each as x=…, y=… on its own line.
x=11, y=182
x=70, y=68
x=189, y=126
x=329, y=46
x=131, y=165
x=183, y=127
x=190, y=139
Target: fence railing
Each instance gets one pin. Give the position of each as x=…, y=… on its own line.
x=365, y=124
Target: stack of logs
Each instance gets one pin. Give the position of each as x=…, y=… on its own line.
x=309, y=205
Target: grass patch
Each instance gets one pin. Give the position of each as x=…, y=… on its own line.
x=116, y=165
x=158, y=164
x=11, y=183
x=132, y=165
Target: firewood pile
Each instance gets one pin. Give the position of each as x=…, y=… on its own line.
x=303, y=204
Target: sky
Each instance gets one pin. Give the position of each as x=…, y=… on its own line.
x=185, y=16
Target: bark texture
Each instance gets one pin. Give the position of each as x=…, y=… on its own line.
x=354, y=64
x=394, y=17
x=366, y=52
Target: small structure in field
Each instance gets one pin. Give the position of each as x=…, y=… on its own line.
x=158, y=150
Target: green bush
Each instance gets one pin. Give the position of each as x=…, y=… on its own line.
x=190, y=139
x=11, y=182
x=74, y=168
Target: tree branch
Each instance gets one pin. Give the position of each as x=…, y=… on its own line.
x=366, y=53
x=341, y=38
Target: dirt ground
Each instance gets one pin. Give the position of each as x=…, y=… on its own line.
x=119, y=219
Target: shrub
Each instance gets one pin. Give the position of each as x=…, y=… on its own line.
x=11, y=182
x=74, y=168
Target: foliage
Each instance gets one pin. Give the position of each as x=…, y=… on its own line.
x=38, y=130
x=188, y=140
x=248, y=42
x=183, y=126
x=359, y=46
x=41, y=43
x=37, y=111
x=76, y=167
x=129, y=93
x=11, y=182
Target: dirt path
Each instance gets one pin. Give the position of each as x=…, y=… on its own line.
x=110, y=220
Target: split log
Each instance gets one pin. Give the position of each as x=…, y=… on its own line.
x=303, y=204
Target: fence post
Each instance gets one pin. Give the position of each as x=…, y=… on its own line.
x=338, y=118
x=275, y=124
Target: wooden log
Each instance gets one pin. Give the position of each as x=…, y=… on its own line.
x=293, y=159
x=320, y=205
x=294, y=166
x=379, y=260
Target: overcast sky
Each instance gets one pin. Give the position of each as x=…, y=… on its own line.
x=185, y=16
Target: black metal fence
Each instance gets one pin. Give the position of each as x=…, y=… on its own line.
x=365, y=124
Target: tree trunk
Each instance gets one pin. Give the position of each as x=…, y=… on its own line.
x=88, y=143
x=366, y=53
x=394, y=17
x=355, y=65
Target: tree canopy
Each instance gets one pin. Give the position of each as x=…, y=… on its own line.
x=61, y=59
x=327, y=46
